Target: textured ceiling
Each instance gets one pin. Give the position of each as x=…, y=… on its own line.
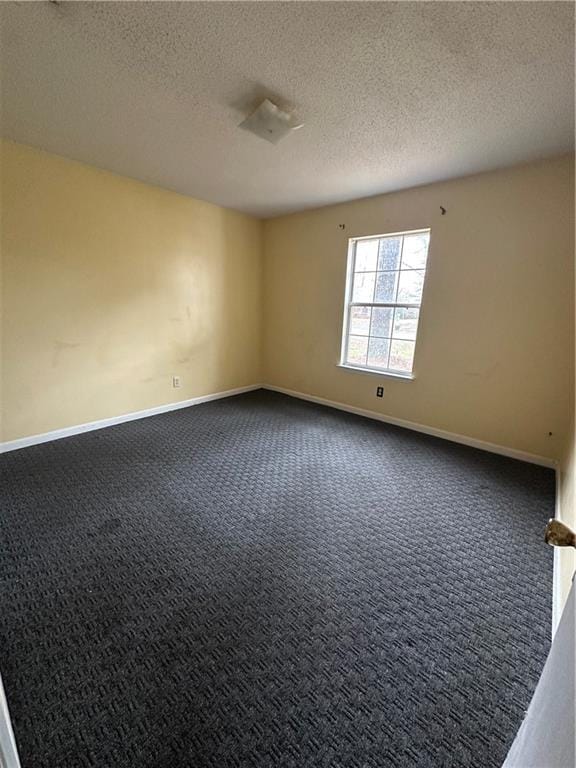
x=392, y=94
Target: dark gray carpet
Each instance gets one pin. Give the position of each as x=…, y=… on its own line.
x=263, y=582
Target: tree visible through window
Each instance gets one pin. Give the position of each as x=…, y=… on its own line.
x=383, y=297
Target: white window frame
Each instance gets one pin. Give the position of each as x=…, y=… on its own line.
x=348, y=304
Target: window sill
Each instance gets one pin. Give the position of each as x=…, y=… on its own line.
x=375, y=371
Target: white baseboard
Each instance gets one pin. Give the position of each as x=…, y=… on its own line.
x=58, y=434
x=452, y=436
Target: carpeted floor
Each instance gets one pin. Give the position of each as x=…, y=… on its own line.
x=263, y=582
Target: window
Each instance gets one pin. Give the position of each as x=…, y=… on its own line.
x=383, y=296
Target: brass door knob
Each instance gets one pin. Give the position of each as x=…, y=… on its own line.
x=559, y=535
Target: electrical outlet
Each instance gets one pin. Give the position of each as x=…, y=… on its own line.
x=379, y=391
x=176, y=383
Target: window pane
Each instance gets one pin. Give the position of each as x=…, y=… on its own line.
x=389, y=253
x=401, y=355
x=387, y=270
x=360, y=321
x=357, y=350
x=386, y=286
x=378, y=353
x=405, y=323
x=366, y=256
x=363, y=286
x=381, y=321
x=410, y=287
x=415, y=251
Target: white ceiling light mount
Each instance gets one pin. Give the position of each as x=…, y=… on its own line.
x=269, y=122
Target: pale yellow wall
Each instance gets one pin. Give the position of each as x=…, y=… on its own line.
x=494, y=354
x=111, y=287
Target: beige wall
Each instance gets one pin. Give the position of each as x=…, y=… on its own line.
x=111, y=287
x=494, y=354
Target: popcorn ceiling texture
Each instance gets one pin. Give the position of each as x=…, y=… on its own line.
x=392, y=94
